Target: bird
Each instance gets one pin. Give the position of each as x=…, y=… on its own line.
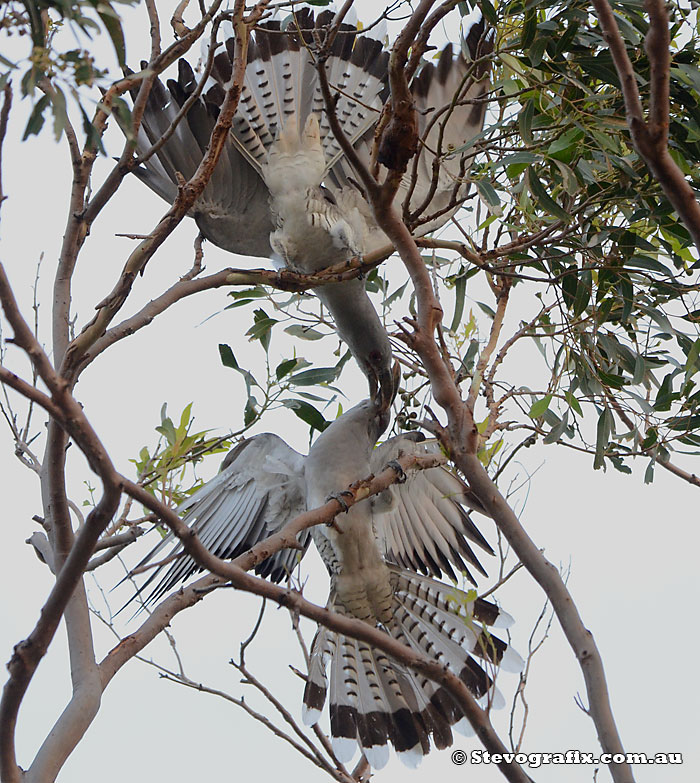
x=283, y=189
x=384, y=556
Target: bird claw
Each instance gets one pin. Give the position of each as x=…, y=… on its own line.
x=400, y=472
x=339, y=496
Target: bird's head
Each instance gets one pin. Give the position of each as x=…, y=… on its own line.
x=384, y=385
x=383, y=381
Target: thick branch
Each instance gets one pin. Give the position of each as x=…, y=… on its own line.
x=460, y=437
x=286, y=537
x=233, y=573
x=549, y=578
x=28, y=653
x=187, y=195
x=4, y=116
x=651, y=139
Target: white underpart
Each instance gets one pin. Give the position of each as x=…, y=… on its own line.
x=379, y=32
x=470, y=20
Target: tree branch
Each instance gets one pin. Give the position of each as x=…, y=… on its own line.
x=187, y=195
x=4, y=117
x=28, y=653
x=233, y=573
x=651, y=138
x=460, y=438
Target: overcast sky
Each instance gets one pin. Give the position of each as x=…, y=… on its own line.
x=632, y=549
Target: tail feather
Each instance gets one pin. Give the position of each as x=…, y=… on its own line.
x=372, y=722
x=322, y=650
x=375, y=701
x=344, y=688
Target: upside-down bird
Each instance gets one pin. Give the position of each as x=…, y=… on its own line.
x=383, y=556
x=284, y=189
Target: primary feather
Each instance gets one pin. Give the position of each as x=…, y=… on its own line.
x=283, y=188
x=372, y=553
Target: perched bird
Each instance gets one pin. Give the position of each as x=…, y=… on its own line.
x=381, y=555
x=283, y=188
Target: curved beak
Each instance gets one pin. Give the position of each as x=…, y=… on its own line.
x=383, y=386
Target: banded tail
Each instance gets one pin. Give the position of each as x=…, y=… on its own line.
x=376, y=702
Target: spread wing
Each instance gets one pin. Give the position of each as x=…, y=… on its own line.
x=280, y=82
x=423, y=524
x=450, y=106
x=232, y=211
x=259, y=489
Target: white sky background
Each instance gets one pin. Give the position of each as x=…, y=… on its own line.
x=632, y=547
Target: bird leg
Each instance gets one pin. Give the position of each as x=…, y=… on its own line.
x=340, y=497
x=400, y=472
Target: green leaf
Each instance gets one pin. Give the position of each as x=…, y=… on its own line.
x=569, y=286
x=522, y=156
x=650, y=264
x=486, y=309
x=489, y=195
x=664, y=396
x=557, y=430
x=525, y=121
x=185, y=418
x=609, y=379
x=573, y=402
x=284, y=368
x=261, y=329
x=227, y=357
x=307, y=413
x=60, y=113
x=460, y=293
x=538, y=191
x=36, y=118
x=93, y=138
x=649, y=472
x=639, y=369
x=111, y=21
x=603, y=431
x=314, y=376
x=651, y=438
x=229, y=360
x=529, y=27
x=691, y=365
x=167, y=429
x=539, y=407
x=583, y=292
x=303, y=332
x=122, y=113
x=564, y=148
x=489, y=12
x=536, y=51
x=516, y=163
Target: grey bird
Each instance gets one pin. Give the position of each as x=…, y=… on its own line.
x=382, y=556
x=283, y=188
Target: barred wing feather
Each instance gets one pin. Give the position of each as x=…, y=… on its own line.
x=422, y=524
x=259, y=489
